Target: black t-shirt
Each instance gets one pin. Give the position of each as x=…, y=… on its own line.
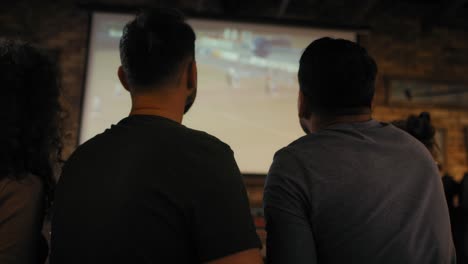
x=149, y=190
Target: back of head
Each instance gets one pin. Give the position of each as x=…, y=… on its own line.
x=421, y=128
x=154, y=46
x=337, y=77
x=30, y=111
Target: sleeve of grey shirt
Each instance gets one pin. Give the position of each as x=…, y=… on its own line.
x=289, y=234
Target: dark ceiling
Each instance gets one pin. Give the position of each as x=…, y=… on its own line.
x=361, y=13
x=430, y=13
x=352, y=13
x=355, y=12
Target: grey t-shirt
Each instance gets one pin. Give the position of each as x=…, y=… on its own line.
x=356, y=193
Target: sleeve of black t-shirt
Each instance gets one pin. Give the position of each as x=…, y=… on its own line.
x=290, y=237
x=223, y=224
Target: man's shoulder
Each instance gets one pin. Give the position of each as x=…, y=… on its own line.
x=310, y=143
x=151, y=131
x=326, y=143
x=203, y=139
x=333, y=136
x=408, y=142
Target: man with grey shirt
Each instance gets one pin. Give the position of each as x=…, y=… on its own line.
x=353, y=190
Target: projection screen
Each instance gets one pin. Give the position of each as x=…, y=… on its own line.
x=247, y=84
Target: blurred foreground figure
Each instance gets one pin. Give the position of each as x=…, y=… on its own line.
x=464, y=212
x=150, y=190
x=353, y=190
x=422, y=129
x=29, y=149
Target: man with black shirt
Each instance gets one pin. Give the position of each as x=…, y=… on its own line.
x=149, y=190
x=353, y=190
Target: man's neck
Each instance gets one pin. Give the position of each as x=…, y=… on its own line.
x=324, y=122
x=164, y=106
x=157, y=112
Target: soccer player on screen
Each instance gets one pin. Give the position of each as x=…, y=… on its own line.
x=353, y=190
x=150, y=190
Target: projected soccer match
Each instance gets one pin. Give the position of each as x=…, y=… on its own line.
x=247, y=84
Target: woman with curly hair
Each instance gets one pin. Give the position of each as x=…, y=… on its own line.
x=422, y=129
x=29, y=149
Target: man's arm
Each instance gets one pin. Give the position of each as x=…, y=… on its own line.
x=223, y=227
x=289, y=234
x=251, y=256
x=289, y=239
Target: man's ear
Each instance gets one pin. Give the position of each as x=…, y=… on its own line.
x=303, y=106
x=192, y=75
x=123, y=78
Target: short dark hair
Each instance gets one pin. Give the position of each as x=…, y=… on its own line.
x=154, y=45
x=30, y=138
x=337, y=76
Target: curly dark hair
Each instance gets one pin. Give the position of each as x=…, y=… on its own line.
x=422, y=129
x=30, y=140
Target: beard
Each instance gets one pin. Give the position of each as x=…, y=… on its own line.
x=304, y=126
x=190, y=101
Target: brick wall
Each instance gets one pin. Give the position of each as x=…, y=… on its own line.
x=402, y=49
x=398, y=45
